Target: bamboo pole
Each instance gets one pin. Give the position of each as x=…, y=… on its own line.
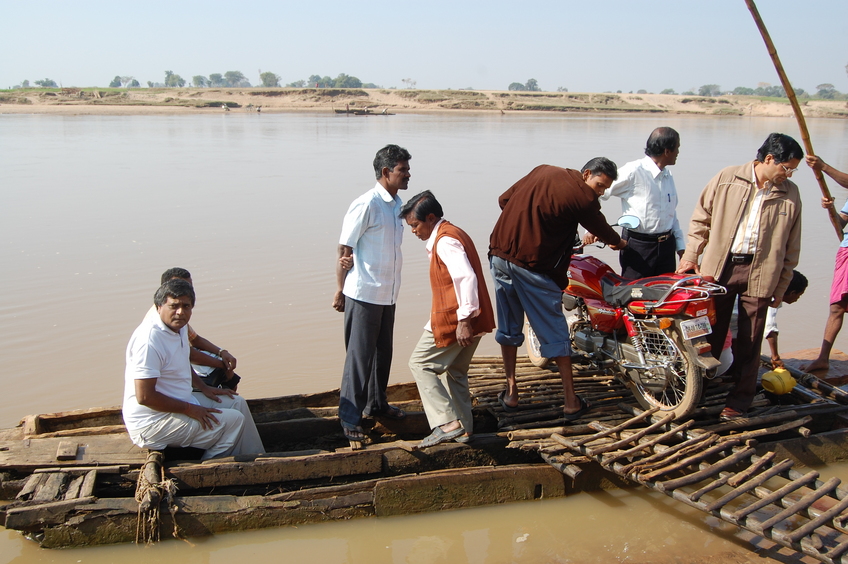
x=802, y=124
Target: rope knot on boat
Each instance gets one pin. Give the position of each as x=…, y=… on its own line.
x=151, y=489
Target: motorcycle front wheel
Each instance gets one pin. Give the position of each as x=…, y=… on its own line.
x=676, y=382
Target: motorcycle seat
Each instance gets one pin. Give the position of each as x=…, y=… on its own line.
x=623, y=291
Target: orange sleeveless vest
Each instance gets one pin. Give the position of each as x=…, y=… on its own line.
x=443, y=320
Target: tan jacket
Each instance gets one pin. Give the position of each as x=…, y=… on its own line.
x=717, y=216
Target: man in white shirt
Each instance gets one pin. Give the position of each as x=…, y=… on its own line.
x=215, y=365
x=372, y=232
x=160, y=409
x=460, y=315
x=647, y=191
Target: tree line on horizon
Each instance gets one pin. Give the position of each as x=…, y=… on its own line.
x=824, y=91
x=237, y=79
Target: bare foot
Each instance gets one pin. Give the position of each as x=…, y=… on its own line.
x=817, y=364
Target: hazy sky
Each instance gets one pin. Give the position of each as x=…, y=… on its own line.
x=600, y=45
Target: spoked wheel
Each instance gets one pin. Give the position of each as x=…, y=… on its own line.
x=534, y=347
x=674, y=383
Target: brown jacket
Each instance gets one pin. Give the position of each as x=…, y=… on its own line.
x=539, y=220
x=717, y=215
x=443, y=319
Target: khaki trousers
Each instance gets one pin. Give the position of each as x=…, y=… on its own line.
x=442, y=379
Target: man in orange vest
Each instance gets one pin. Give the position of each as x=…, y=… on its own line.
x=460, y=315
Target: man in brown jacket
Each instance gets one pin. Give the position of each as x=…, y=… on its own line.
x=529, y=253
x=460, y=315
x=746, y=229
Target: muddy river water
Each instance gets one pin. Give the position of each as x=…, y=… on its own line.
x=94, y=208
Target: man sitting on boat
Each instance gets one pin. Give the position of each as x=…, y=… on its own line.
x=160, y=409
x=215, y=365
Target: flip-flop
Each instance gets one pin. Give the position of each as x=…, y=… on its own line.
x=439, y=436
x=392, y=412
x=729, y=414
x=584, y=407
x=507, y=408
x=354, y=434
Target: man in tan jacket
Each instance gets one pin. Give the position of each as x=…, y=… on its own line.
x=746, y=229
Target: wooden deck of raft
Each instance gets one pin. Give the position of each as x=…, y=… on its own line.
x=392, y=477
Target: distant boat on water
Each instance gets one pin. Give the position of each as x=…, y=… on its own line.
x=362, y=111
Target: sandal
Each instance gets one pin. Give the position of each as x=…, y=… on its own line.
x=729, y=414
x=392, y=412
x=355, y=434
x=584, y=407
x=504, y=405
x=439, y=436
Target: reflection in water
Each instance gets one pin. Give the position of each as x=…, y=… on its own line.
x=96, y=207
x=615, y=526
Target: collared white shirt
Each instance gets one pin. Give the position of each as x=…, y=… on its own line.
x=648, y=193
x=374, y=231
x=748, y=232
x=452, y=253
x=156, y=351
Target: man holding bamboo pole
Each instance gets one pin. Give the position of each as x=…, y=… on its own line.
x=839, y=287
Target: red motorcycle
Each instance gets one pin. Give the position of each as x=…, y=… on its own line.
x=652, y=330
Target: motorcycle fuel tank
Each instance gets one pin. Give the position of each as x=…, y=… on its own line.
x=584, y=276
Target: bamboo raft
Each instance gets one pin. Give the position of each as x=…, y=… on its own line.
x=75, y=478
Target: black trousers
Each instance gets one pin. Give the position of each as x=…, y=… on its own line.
x=640, y=259
x=749, y=335
x=369, y=332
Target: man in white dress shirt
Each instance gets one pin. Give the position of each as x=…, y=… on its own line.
x=647, y=191
x=371, y=235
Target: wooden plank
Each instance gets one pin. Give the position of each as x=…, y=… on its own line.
x=35, y=517
x=30, y=425
x=67, y=450
x=74, y=488
x=87, y=487
x=85, y=431
x=264, y=471
x=49, y=490
x=32, y=484
x=395, y=393
x=79, y=419
x=338, y=502
x=80, y=470
x=450, y=489
x=106, y=450
x=323, y=492
x=297, y=430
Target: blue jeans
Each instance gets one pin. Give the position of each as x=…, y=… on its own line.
x=520, y=292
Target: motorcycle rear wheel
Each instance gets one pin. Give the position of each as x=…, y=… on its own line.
x=684, y=379
x=534, y=347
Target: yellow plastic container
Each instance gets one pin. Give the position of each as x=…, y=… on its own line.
x=778, y=381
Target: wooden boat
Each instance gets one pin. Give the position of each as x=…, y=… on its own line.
x=77, y=480
x=362, y=111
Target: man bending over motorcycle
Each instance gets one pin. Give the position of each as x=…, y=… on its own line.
x=529, y=252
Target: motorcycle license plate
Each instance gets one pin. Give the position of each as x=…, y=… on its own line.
x=697, y=327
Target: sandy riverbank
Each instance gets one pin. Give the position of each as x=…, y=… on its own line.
x=105, y=101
